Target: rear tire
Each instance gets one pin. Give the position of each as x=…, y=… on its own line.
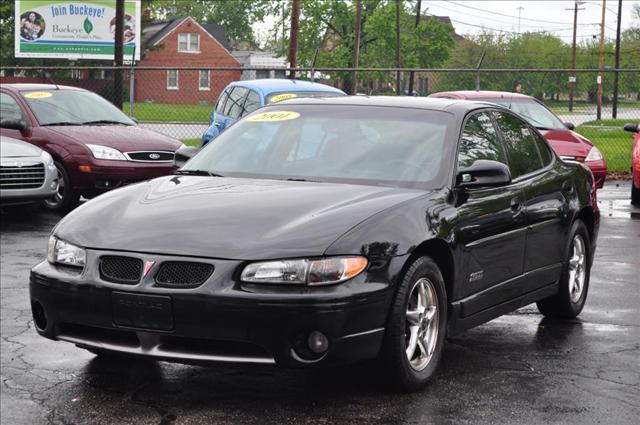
x=416, y=326
x=574, y=280
x=66, y=199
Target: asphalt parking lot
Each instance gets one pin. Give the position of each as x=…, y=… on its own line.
x=516, y=369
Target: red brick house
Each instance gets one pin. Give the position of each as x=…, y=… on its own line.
x=184, y=42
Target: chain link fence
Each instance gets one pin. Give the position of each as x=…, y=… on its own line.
x=178, y=101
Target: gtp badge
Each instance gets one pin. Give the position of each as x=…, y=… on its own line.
x=148, y=265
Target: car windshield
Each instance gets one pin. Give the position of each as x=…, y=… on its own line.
x=537, y=115
x=280, y=96
x=338, y=143
x=73, y=107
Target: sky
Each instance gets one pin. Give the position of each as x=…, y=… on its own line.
x=471, y=16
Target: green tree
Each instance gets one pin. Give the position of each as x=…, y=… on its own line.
x=328, y=26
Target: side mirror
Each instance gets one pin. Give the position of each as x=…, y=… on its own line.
x=182, y=155
x=483, y=173
x=569, y=125
x=633, y=128
x=14, y=124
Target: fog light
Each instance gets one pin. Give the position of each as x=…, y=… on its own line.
x=39, y=316
x=317, y=342
x=54, y=185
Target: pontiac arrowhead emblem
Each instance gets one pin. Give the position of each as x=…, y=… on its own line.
x=148, y=265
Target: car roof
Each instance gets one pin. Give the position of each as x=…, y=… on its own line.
x=271, y=85
x=483, y=94
x=434, y=104
x=19, y=87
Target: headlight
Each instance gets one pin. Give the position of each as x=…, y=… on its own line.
x=61, y=252
x=594, y=155
x=305, y=272
x=48, y=160
x=103, y=152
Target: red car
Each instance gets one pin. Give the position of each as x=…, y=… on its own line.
x=568, y=144
x=635, y=163
x=95, y=146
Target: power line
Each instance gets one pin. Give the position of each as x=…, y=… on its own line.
x=499, y=21
x=502, y=14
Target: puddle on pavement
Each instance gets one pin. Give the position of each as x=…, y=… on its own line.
x=618, y=208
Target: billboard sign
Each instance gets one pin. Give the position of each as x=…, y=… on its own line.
x=74, y=29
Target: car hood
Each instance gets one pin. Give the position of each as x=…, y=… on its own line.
x=232, y=218
x=125, y=138
x=16, y=148
x=567, y=143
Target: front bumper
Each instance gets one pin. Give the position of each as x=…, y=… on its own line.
x=599, y=171
x=220, y=321
x=107, y=175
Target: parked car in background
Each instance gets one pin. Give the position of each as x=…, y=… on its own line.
x=568, y=144
x=337, y=230
x=243, y=97
x=635, y=163
x=27, y=173
x=94, y=145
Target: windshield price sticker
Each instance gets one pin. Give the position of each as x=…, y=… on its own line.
x=283, y=96
x=274, y=116
x=38, y=95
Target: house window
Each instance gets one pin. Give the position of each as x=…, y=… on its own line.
x=189, y=42
x=204, y=79
x=76, y=74
x=172, y=79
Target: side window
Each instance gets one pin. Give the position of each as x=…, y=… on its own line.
x=543, y=148
x=252, y=103
x=221, y=101
x=480, y=141
x=520, y=143
x=234, y=104
x=9, y=108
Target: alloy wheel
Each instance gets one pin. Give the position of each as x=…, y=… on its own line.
x=422, y=322
x=577, y=268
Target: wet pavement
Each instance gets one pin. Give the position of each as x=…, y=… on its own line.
x=519, y=368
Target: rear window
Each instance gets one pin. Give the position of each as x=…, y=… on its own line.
x=280, y=96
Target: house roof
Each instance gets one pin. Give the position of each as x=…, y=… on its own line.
x=446, y=21
x=158, y=30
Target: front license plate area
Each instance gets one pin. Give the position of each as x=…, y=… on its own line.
x=153, y=312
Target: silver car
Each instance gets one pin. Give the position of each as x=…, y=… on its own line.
x=27, y=173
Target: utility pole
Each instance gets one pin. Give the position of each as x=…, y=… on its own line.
x=118, y=54
x=356, y=48
x=293, y=37
x=601, y=61
x=614, y=113
x=572, y=78
x=412, y=73
x=398, y=47
x=520, y=9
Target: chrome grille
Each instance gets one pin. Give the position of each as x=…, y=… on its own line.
x=21, y=177
x=117, y=269
x=183, y=274
x=150, y=156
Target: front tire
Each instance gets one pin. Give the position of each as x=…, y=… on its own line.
x=66, y=199
x=416, y=326
x=635, y=194
x=574, y=280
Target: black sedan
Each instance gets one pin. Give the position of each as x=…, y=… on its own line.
x=327, y=231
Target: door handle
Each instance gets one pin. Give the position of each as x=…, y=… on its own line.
x=516, y=205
